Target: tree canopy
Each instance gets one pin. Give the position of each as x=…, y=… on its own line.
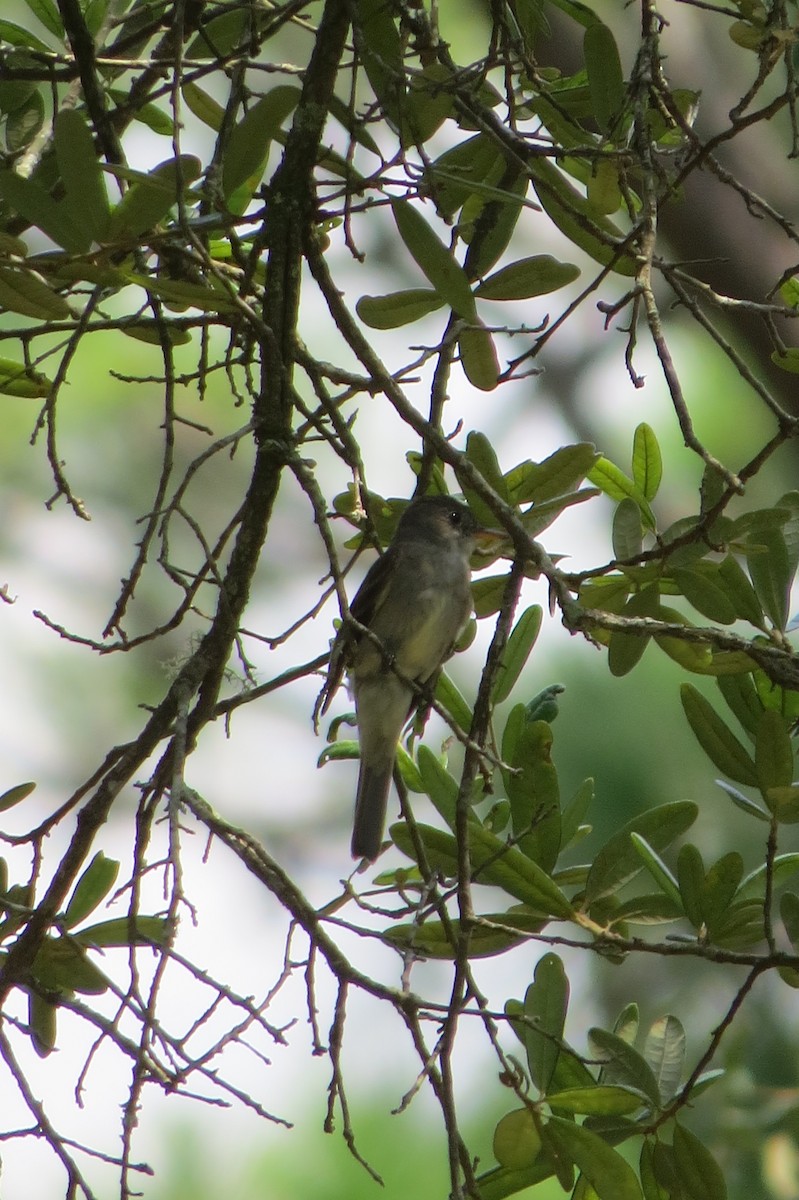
x=317, y=217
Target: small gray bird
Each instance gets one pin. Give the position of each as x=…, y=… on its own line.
x=416, y=599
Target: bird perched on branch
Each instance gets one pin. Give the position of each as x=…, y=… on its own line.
x=414, y=601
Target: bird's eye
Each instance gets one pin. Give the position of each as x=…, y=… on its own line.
x=455, y=516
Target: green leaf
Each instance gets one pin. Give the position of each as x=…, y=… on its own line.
x=62, y=966
x=42, y=1019
x=540, y=516
x=490, y=934
x=517, y=651
x=24, y=123
x=222, y=34
x=46, y=12
x=532, y=482
x=36, y=205
x=537, y=275
x=458, y=170
x=204, y=107
x=493, y=862
x=382, y=59
x=16, y=35
x=664, y=1050
x=611, y=1177
x=739, y=589
x=478, y=357
x=648, y=909
x=453, y=701
x=657, y=868
x=789, y=911
x=721, y=885
x=14, y=795
x=773, y=753
x=125, y=931
x=703, y=592
x=603, y=187
x=618, y=861
x=248, y=148
x=488, y=220
x=434, y=259
x=782, y=869
x=743, y=802
x=572, y=214
x=605, y=78
x=488, y=594
x=532, y=787
x=691, y=877
x=626, y=649
x=740, y=693
x=622, y=1064
x=481, y=454
x=23, y=291
x=517, y=1142
x=93, y=886
x=600, y=1100
x=699, y=1174
x=771, y=574
x=627, y=530
x=150, y=198
x=787, y=360
x=86, y=198
x=716, y=739
x=784, y=803
x=545, y=1003
x=614, y=483
x=440, y=786
x=575, y=811
x=398, y=308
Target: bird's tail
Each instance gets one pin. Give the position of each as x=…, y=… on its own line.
x=371, y=800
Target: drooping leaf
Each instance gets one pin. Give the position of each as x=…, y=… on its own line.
x=517, y=1142
x=247, y=151
x=535, y=276
x=704, y=593
x=618, y=862
x=611, y=1177
x=614, y=483
x=148, y=200
x=545, y=1003
x=622, y=1064
x=493, y=862
x=36, y=205
x=398, y=308
x=605, y=78
x=773, y=753
x=93, y=886
x=86, y=199
x=42, y=1020
x=657, y=868
x=26, y=292
x=434, y=259
x=532, y=787
x=14, y=795
x=517, y=650
x=627, y=530
x=664, y=1050
x=478, y=356
x=769, y=568
x=716, y=738
x=535, y=482
x=699, y=1174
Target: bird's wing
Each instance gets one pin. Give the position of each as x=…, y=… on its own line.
x=366, y=603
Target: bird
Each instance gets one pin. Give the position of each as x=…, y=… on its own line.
x=415, y=600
